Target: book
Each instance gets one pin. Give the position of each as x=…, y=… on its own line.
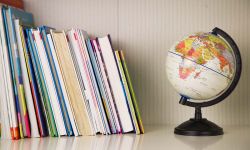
x=60, y=84
x=76, y=97
x=4, y=107
x=101, y=124
x=35, y=90
x=12, y=56
x=129, y=82
x=102, y=88
x=5, y=114
x=104, y=108
x=42, y=85
x=81, y=76
x=44, y=88
x=96, y=93
x=9, y=130
x=106, y=85
x=29, y=99
x=63, y=88
x=27, y=19
x=80, y=36
x=116, y=85
x=127, y=92
x=61, y=98
x=52, y=95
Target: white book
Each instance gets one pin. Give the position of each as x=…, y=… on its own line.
x=27, y=89
x=8, y=80
x=116, y=84
x=68, y=105
x=4, y=112
x=106, y=87
x=53, y=97
x=82, y=66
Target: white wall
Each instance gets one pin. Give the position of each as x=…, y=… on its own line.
x=145, y=30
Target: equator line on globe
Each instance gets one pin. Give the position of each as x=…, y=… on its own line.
x=201, y=66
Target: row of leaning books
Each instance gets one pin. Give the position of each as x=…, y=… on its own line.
x=61, y=83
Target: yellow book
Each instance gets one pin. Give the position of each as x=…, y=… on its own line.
x=76, y=97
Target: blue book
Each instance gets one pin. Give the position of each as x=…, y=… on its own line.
x=38, y=104
x=42, y=85
x=44, y=31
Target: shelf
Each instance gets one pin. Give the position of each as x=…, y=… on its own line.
x=156, y=137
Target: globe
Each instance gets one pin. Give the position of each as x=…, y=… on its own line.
x=204, y=68
x=200, y=66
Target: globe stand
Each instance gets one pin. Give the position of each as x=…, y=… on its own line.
x=198, y=126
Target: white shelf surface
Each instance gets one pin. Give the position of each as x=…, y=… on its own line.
x=156, y=137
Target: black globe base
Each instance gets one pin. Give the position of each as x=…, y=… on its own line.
x=198, y=126
x=202, y=127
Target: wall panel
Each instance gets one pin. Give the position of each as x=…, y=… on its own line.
x=145, y=30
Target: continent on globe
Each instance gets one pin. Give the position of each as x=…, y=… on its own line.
x=204, y=47
x=201, y=66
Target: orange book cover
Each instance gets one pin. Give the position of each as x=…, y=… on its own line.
x=14, y=3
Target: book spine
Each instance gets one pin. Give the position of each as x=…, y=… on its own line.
x=27, y=90
x=97, y=85
x=46, y=97
x=4, y=106
x=61, y=98
x=104, y=90
x=53, y=102
x=138, y=115
x=40, y=118
x=19, y=77
x=104, y=107
x=4, y=96
x=72, y=84
x=99, y=122
x=36, y=89
x=39, y=82
x=16, y=129
x=63, y=87
x=109, y=90
x=89, y=80
x=8, y=82
x=80, y=79
x=80, y=67
x=116, y=86
x=127, y=93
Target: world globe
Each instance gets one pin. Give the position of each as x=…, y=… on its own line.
x=204, y=68
x=200, y=66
